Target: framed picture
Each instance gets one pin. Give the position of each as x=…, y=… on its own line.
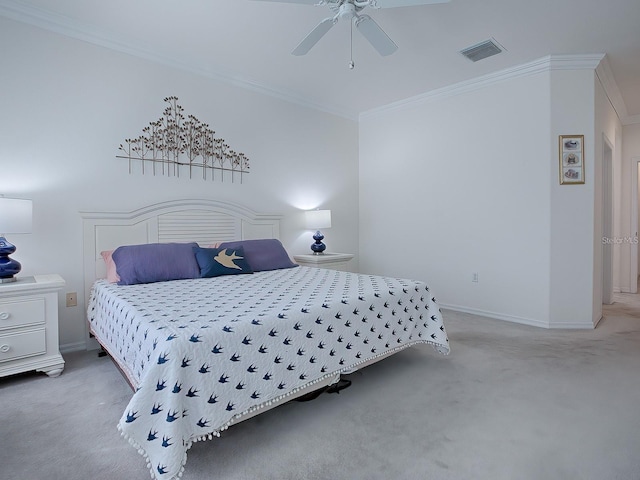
x=571, y=159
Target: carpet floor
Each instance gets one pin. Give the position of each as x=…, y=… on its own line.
x=510, y=402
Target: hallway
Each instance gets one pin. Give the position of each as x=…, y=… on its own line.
x=624, y=304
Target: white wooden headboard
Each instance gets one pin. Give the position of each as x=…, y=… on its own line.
x=203, y=221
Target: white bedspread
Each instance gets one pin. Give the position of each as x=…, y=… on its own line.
x=202, y=353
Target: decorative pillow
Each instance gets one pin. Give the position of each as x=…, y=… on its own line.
x=263, y=254
x=112, y=274
x=155, y=262
x=214, y=262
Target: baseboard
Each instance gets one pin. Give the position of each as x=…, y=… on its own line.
x=573, y=325
x=498, y=316
x=73, y=347
x=520, y=320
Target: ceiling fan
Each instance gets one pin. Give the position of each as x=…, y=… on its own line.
x=350, y=10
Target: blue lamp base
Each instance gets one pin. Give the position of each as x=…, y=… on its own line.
x=8, y=266
x=318, y=247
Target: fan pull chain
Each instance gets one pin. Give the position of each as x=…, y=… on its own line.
x=351, y=63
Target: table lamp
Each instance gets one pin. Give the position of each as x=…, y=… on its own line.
x=317, y=219
x=15, y=217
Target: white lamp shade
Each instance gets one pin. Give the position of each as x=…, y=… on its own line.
x=317, y=219
x=15, y=215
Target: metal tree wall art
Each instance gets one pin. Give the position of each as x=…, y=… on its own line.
x=174, y=143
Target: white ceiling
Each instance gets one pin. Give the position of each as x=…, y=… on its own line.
x=249, y=42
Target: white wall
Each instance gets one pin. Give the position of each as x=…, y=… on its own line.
x=572, y=206
x=471, y=184
x=67, y=105
x=457, y=185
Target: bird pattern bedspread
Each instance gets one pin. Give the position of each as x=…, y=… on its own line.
x=202, y=353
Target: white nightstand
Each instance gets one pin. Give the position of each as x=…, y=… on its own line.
x=334, y=261
x=29, y=325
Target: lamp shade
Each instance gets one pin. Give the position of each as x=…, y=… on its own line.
x=317, y=219
x=15, y=215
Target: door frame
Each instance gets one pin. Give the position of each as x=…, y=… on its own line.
x=607, y=221
x=633, y=268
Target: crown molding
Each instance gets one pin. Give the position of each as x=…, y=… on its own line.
x=66, y=26
x=544, y=64
x=608, y=81
x=575, y=62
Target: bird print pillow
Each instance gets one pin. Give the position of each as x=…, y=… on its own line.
x=214, y=262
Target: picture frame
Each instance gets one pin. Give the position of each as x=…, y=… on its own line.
x=571, y=152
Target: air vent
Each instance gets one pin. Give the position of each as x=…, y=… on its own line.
x=482, y=50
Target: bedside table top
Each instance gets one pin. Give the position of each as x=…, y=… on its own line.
x=323, y=258
x=38, y=282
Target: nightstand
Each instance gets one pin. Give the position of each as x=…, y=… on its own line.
x=29, y=325
x=334, y=261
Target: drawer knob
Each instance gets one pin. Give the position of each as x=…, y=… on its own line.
x=5, y=348
x=4, y=315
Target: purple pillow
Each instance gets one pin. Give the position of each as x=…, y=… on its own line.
x=155, y=262
x=263, y=254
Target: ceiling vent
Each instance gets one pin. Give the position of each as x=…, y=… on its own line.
x=482, y=50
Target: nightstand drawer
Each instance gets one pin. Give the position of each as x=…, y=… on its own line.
x=22, y=312
x=23, y=344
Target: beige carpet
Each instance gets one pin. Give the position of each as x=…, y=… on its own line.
x=510, y=402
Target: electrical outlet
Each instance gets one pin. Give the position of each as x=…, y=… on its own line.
x=474, y=277
x=72, y=299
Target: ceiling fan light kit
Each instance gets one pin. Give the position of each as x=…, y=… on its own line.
x=350, y=10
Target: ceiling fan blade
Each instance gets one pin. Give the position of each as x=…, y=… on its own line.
x=376, y=36
x=403, y=3
x=316, y=34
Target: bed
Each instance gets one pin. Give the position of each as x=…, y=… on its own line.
x=204, y=353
